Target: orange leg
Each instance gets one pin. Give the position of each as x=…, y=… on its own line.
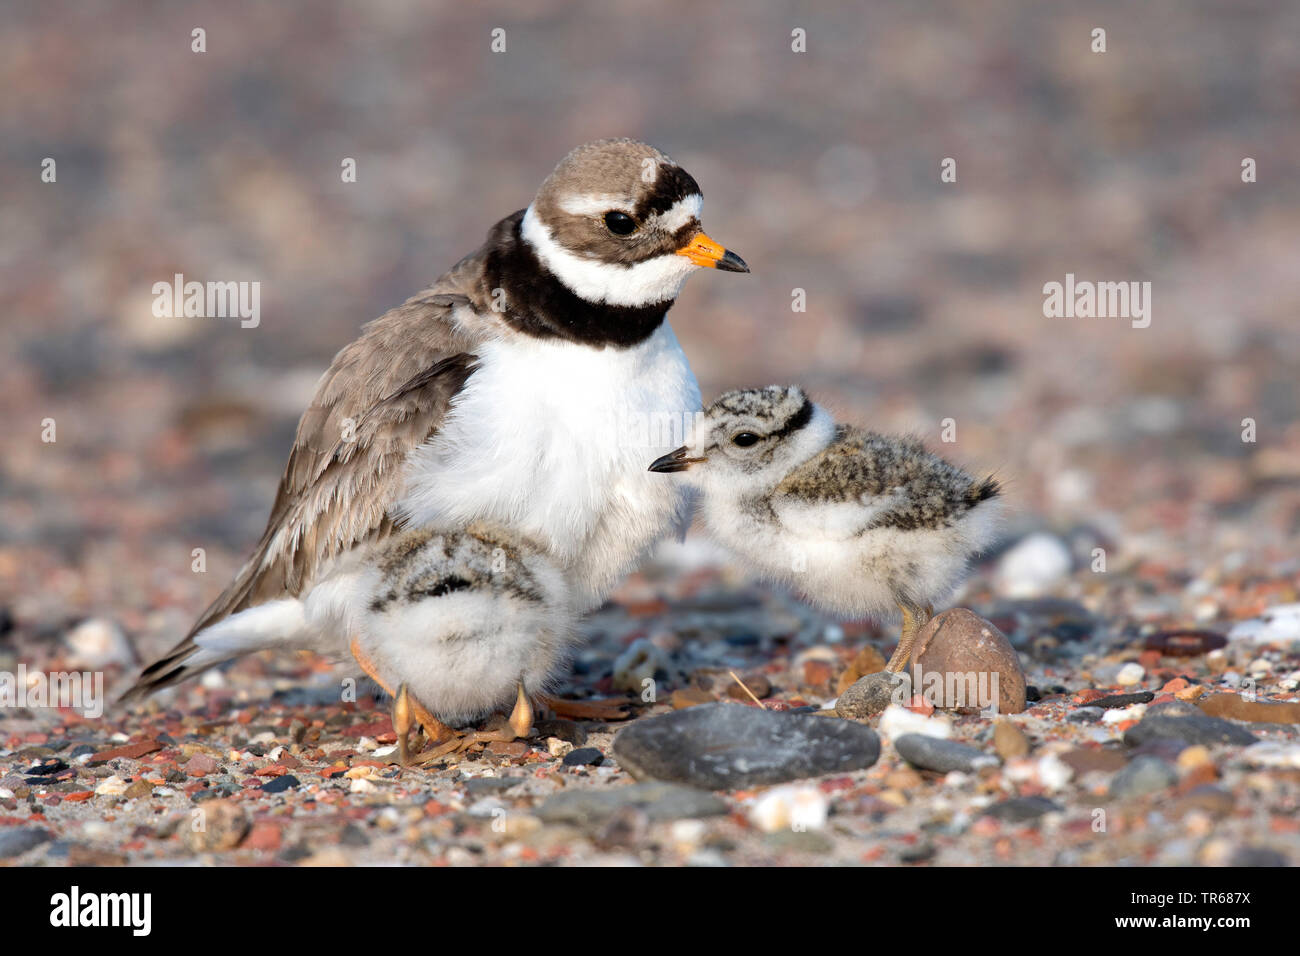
x=914, y=618
x=404, y=705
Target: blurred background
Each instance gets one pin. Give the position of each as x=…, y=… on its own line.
x=821, y=168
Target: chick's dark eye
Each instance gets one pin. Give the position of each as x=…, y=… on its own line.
x=744, y=439
x=620, y=223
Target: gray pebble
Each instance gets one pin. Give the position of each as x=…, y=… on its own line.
x=730, y=746
x=1142, y=776
x=1022, y=809
x=871, y=694
x=1194, y=728
x=659, y=801
x=17, y=841
x=943, y=756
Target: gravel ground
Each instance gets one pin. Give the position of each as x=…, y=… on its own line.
x=1174, y=449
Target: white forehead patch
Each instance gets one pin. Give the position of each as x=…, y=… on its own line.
x=593, y=204
x=683, y=211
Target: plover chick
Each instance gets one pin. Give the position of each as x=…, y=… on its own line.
x=857, y=521
x=478, y=400
x=456, y=625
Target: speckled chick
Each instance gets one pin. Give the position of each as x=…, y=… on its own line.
x=464, y=622
x=857, y=521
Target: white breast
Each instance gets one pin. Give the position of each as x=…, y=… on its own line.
x=553, y=439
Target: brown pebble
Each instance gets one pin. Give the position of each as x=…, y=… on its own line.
x=975, y=653
x=1235, y=707
x=904, y=779
x=758, y=685
x=1009, y=740
x=690, y=697
x=1089, y=759
x=214, y=825
x=141, y=788
x=200, y=765
x=868, y=661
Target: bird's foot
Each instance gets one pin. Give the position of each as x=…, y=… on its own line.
x=518, y=725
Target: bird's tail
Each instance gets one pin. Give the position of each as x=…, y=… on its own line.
x=983, y=491
x=275, y=624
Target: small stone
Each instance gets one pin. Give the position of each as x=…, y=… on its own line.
x=217, y=825
x=1009, y=740
x=1207, y=798
x=1184, y=643
x=871, y=694
x=486, y=786
x=1122, y=700
x=964, y=663
x=200, y=765
x=794, y=806
x=1195, y=756
x=263, y=836
x=139, y=789
x=1022, y=809
x=868, y=661
x=130, y=751
x=1234, y=707
x=1085, y=715
x=1033, y=565
x=15, y=841
x=758, y=685
x=639, y=663
x=113, y=786
x=817, y=673
x=659, y=801
x=942, y=756
x=567, y=730
x=1187, y=729
x=690, y=697
x=897, y=721
x=1142, y=776
x=1272, y=753
x=584, y=757
x=557, y=747
x=280, y=784
x=1130, y=675
x=98, y=643
x=729, y=746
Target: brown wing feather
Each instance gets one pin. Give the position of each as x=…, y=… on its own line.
x=383, y=395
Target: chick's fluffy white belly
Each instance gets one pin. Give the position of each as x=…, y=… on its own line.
x=554, y=439
x=847, y=572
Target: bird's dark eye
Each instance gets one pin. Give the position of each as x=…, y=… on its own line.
x=620, y=223
x=744, y=439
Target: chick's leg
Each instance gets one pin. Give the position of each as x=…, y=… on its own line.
x=519, y=724
x=405, y=707
x=915, y=617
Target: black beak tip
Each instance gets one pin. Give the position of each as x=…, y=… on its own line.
x=672, y=462
x=730, y=262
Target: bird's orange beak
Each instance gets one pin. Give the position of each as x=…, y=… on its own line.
x=703, y=251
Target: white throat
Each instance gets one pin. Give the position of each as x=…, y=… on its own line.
x=642, y=283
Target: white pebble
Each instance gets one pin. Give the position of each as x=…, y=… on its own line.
x=97, y=643
x=896, y=721
x=796, y=806
x=1130, y=675
x=1272, y=753
x=1117, y=715
x=638, y=664
x=1054, y=773
x=1033, y=565
x=112, y=786
x=1278, y=624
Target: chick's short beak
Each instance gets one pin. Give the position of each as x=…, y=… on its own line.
x=703, y=251
x=674, y=461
